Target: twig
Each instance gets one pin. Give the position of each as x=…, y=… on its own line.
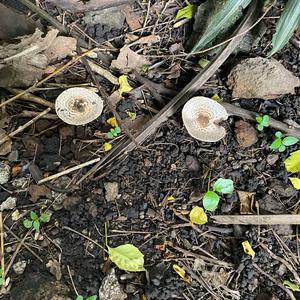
x=2, y=247
x=65, y=172
x=71, y=278
x=257, y=220
x=250, y=115
x=283, y=261
x=23, y=127
x=32, y=114
x=103, y=72
x=290, y=293
x=45, y=16
x=30, y=97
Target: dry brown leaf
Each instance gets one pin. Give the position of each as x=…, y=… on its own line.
x=15, y=170
x=246, y=202
x=54, y=268
x=114, y=98
x=133, y=20
x=5, y=148
x=137, y=123
x=37, y=191
x=128, y=60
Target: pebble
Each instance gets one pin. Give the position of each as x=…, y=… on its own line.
x=19, y=267
x=192, y=163
x=111, y=190
x=4, y=173
x=9, y=203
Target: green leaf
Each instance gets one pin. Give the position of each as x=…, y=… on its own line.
x=295, y=182
x=292, y=163
x=187, y=12
x=33, y=216
x=94, y=297
x=27, y=223
x=36, y=225
x=203, y=63
x=211, y=201
x=79, y=297
x=260, y=127
x=259, y=119
x=289, y=141
x=45, y=218
x=282, y=148
x=287, y=24
x=224, y=186
x=265, y=120
x=110, y=135
x=219, y=21
x=127, y=257
x=276, y=144
x=293, y=286
x=118, y=130
x=278, y=134
x=198, y=215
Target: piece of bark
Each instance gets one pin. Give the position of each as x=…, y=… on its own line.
x=80, y=6
x=257, y=220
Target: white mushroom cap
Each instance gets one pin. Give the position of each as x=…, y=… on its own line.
x=201, y=116
x=78, y=106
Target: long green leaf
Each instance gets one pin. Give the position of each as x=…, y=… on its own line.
x=219, y=21
x=287, y=24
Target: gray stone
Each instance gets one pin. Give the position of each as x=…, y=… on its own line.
x=112, y=17
x=110, y=288
x=9, y=203
x=19, y=267
x=4, y=173
x=111, y=190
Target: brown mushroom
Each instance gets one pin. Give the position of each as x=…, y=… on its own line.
x=78, y=106
x=201, y=116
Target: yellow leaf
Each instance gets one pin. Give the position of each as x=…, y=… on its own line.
x=203, y=62
x=112, y=122
x=170, y=198
x=216, y=97
x=124, y=85
x=187, y=12
x=107, y=147
x=295, y=182
x=131, y=115
x=198, y=215
x=248, y=249
x=292, y=163
x=181, y=272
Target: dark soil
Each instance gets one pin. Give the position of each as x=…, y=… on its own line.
x=170, y=163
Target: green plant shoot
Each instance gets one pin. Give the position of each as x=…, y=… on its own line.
x=35, y=220
x=263, y=121
x=280, y=143
x=114, y=132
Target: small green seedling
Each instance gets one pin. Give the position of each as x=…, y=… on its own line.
x=263, y=121
x=94, y=297
x=211, y=199
x=280, y=143
x=35, y=220
x=113, y=132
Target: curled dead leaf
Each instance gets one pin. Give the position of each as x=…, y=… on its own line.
x=246, y=202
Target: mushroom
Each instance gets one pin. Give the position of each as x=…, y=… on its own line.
x=201, y=116
x=78, y=106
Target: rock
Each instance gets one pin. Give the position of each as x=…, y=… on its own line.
x=54, y=268
x=192, y=163
x=110, y=288
x=9, y=203
x=41, y=287
x=112, y=17
x=261, y=78
x=4, y=173
x=111, y=190
x=272, y=159
x=19, y=267
x=245, y=134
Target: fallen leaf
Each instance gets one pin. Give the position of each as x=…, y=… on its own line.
x=54, y=268
x=138, y=123
x=246, y=201
x=114, y=98
x=133, y=20
x=295, y=182
x=112, y=122
x=6, y=147
x=107, y=147
x=128, y=60
x=203, y=63
x=248, y=249
x=131, y=114
x=171, y=198
x=187, y=12
x=36, y=191
x=124, y=85
x=181, y=272
x=292, y=163
x=198, y=216
x=216, y=97
x=292, y=286
x=15, y=170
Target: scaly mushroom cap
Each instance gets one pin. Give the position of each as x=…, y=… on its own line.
x=78, y=106
x=201, y=116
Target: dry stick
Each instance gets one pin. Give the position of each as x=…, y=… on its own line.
x=32, y=98
x=25, y=245
x=250, y=115
x=290, y=293
x=59, y=70
x=103, y=72
x=120, y=149
x=32, y=114
x=283, y=261
x=23, y=127
x=2, y=247
x=44, y=15
x=71, y=278
x=257, y=220
x=65, y=172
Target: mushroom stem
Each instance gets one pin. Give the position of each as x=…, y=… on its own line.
x=250, y=115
